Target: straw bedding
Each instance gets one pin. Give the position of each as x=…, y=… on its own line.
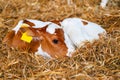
x=95, y=61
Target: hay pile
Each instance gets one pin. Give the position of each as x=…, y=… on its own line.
x=97, y=61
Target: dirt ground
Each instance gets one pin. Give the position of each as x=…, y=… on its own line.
x=97, y=61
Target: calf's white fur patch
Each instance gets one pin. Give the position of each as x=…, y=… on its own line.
x=79, y=33
x=51, y=28
x=43, y=53
x=18, y=26
x=70, y=45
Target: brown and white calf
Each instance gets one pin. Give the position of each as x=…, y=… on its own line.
x=55, y=39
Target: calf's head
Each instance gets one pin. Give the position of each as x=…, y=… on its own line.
x=48, y=41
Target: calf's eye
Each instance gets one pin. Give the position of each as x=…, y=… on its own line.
x=55, y=41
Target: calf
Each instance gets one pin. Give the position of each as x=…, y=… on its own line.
x=53, y=39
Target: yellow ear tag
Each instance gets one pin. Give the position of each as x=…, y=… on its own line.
x=24, y=25
x=26, y=38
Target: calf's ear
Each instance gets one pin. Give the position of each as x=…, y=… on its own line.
x=9, y=37
x=30, y=32
x=29, y=23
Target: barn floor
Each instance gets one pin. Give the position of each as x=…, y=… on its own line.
x=97, y=61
